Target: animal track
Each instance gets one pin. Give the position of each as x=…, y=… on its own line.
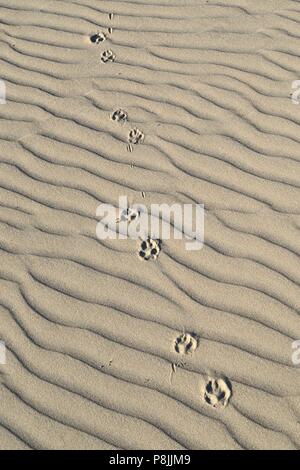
x=108, y=56
x=119, y=115
x=186, y=343
x=217, y=392
x=97, y=38
x=129, y=214
x=135, y=136
x=150, y=249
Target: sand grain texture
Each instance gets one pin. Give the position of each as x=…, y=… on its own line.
x=89, y=328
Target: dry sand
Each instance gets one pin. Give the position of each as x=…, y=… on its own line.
x=90, y=329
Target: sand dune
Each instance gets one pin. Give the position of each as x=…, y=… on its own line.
x=96, y=356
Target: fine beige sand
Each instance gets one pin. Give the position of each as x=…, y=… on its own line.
x=95, y=357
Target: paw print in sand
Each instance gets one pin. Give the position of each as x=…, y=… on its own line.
x=217, y=392
x=108, y=56
x=129, y=215
x=97, y=38
x=135, y=136
x=186, y=343
x=119, y=115
x=150, y=249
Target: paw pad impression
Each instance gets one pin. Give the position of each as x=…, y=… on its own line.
x=129, y=214
x=119, y=115
x=186, y=343
x=108, y=56
x=217, y=392
x=150, y=249
x=135, y=136
x=97, y=38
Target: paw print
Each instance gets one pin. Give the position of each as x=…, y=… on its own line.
x=217, y=392
x=129, y=215
x=135, y=136
x=97, y=38
x=150, y=249
x=186, y=343
x=108, y=56
x=119, y=115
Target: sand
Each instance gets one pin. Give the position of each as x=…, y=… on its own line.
x=108, y=351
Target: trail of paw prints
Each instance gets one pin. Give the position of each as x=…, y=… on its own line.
x=217, y=392
x=150, y=249
x=135, y=136
x=99, y=37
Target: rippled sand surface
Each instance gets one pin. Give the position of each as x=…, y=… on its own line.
x=94, y=353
